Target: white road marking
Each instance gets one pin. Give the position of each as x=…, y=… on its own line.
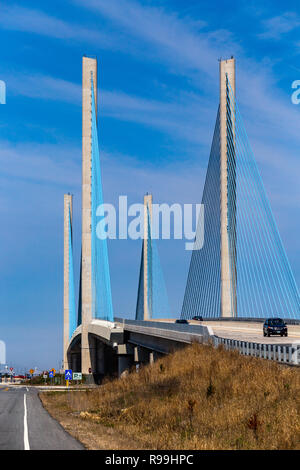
x=26, y=441
x=27, y=389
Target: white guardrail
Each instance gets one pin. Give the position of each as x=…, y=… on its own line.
x=288, y=354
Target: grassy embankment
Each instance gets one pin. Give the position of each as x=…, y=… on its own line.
x=196, y=398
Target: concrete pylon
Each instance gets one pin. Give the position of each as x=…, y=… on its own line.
x=89, y=72
x=68, y=209
x=147, y=294
x=228, y=283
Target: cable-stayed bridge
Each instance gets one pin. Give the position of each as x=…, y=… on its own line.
x=240, y=272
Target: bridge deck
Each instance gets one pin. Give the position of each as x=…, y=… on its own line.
x=245, y=331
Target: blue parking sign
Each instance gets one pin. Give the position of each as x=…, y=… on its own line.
x=68, y=374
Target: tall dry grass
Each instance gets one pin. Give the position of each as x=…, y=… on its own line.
x=199, y=398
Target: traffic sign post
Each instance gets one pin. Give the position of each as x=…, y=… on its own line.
x=51, y=375
x=68, y=376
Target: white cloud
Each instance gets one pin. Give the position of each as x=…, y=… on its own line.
x=180, y=118
x=193, y=53
x=40, y=163
x=177, y=41
x=17, y=18
x=277, y=26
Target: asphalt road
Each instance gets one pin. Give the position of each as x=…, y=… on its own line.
x=26, y=425
x=248, y=331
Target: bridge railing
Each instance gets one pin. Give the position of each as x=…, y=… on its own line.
x=289, y=354
x=288, y=321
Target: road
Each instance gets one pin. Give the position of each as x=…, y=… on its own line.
x=252, y=332
x=26, y=425
x=246, y=331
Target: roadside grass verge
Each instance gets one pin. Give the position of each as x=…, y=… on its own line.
x=196, y=398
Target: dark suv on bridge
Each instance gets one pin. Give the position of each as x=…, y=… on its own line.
x=275, y=326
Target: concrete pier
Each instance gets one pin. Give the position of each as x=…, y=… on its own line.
x=228, y=287
x=68, y=210
x=147, y=294
x=89, y=72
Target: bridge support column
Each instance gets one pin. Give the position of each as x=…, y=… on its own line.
x=68, y=209
x=141, y=355
x=124, y=364
x=89, y=70
x=93, y=353
x=100, y=358
x=151, y=357
x=147, y=271
x=228, y=286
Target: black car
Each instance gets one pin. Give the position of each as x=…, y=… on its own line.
x=275, y=326
x=182, y=320
x=197, y=317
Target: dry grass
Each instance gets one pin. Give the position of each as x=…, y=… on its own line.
x=196, y=398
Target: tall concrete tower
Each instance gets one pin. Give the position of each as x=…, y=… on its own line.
x=68, y=210
x=89, y=72
x=228, y=263
x=147, y=271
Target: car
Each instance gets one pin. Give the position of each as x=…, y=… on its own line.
x=197, y=318
x=275, y=326
x=182, y=321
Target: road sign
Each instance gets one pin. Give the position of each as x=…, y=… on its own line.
x=54, y=371
x=11, y=369
x=31, y=371
x=77, y=376
x=51, y=374
x=68, y=374
x=45, y=376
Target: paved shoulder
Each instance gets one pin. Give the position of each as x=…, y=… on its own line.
x=44, y=432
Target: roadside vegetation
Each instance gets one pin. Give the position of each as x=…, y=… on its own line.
x=197, y=398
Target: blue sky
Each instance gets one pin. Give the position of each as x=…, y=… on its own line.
x=158, y=82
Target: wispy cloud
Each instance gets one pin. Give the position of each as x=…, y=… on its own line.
x=182, y=43
x=193, y=52
x=45, y=87
x=277, y=26
x=180, y=118
x=16, y=18
x=40, y=163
